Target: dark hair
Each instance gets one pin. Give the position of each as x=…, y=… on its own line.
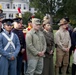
x=43, y=24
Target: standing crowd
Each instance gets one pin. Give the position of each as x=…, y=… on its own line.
x=30, y=51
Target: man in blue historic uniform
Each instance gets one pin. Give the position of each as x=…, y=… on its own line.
x=9, y=49
x=20, y=34
x=1, y=18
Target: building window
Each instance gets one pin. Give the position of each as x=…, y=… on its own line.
x=24, y=7
x=14, y=6
x=29, y=9
x=19, y=5
x=8, y=6
x=11, y=16
x=4, y=15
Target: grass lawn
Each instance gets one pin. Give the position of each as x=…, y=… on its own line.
x=55, y=58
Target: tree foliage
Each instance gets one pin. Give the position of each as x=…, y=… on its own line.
x=43, y=6
x=26, y=16
x=57, y=8
x=67, y=8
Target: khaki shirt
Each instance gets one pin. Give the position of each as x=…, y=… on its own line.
x=35, y=43
x=62, y=39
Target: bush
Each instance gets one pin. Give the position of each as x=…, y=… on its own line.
x=55, y=27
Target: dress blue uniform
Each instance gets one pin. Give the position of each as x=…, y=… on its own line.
x=22, y=43
x=9, y=46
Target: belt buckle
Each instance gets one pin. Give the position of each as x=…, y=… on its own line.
x=9, y=40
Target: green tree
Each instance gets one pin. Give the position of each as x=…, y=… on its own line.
x=70, y=7
x=66, y=8
x=43, y=6
x=26, y=16
x=39, y=15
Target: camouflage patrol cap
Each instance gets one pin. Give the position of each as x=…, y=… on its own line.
x=36, y=21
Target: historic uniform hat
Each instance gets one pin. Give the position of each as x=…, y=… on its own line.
x=67, y=19
x=62, y=22
x=17, y=19
x=46, y=22
x=46, y=18
x=36, y=21
x=7, y=22
x=1, y=10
